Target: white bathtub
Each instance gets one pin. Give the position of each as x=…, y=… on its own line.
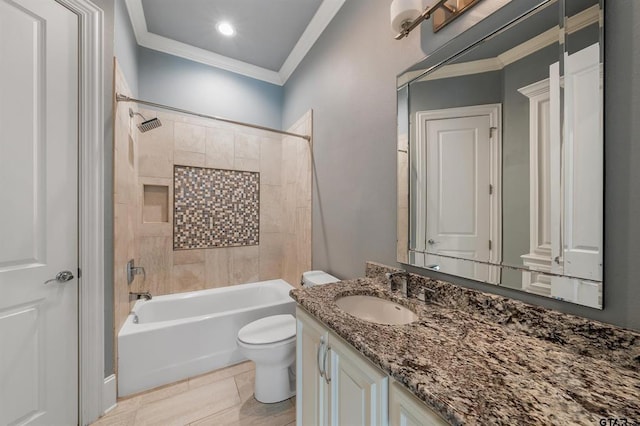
x=186, y=334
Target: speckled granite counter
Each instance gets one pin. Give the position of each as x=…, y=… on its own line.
x=482, y=359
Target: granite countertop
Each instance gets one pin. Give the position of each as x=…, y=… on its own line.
x=482, y=359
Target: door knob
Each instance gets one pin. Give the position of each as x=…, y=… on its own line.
x=61, y=277
x=431, y=241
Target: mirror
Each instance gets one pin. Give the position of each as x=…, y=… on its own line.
x=500, y=156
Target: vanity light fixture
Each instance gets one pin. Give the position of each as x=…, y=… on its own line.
x=226, y=29
x=406, y=15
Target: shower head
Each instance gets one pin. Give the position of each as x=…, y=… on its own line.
x=146, y=125
x=149, y=124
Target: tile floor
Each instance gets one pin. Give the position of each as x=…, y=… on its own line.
x=223, y=397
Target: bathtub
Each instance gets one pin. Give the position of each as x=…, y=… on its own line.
x=182, y=335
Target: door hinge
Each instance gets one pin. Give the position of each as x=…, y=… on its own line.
x=489, y=244
x=490, y=189
x=491, y=129
x=79, y=273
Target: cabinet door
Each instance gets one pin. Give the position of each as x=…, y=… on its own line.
x=406, y=410
x=358, y=388
x=312, y=391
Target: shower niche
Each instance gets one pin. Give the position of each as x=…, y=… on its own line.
x=155, y=204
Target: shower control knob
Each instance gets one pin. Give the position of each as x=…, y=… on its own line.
x=61, y=277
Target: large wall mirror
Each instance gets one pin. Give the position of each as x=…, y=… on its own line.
x=500, y=156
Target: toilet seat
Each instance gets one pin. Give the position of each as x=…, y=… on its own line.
x=268, y=330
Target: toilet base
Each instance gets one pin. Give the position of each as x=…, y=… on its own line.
x=274, y=384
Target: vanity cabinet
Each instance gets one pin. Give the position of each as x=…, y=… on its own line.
x=335, y=384
x=407, y=410
x=358, y=389
x=312, y=391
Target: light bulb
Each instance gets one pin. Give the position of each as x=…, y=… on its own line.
x=226, y=29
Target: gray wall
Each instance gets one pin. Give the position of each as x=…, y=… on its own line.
x=472, y=89
x=348, y=78
x=125, y=46
x=185, y=84
x=515, y=158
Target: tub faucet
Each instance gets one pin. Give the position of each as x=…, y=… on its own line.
x=135, y=296
x=133, y=270
x=394, y=286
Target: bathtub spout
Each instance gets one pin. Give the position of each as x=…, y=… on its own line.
x=135, y=296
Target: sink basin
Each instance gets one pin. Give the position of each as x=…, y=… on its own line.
x=375, y=309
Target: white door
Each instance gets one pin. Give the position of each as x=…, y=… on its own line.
x=38, y=213
x=358, y=389
x=406, y=410
x=458, y=187
x=583, y=171
x=312, y=391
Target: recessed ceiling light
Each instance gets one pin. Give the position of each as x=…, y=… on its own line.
x=226, y=28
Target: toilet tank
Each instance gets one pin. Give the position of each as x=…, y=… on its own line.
x=311, y=278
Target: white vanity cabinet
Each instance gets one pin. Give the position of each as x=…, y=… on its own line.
x=407, y=410
x=358, y=390
x=335, y=384
x=312, y=390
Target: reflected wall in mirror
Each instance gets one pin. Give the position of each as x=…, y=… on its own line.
x=500, y=156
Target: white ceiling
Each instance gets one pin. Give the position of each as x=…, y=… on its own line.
x=272, y=37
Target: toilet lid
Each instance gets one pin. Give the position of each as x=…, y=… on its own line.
x=268, y=330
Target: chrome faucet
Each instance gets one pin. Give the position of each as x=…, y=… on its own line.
x=135, y=296
x=133, y=270
x=392, y=283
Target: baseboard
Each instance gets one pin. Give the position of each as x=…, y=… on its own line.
x=109, y=394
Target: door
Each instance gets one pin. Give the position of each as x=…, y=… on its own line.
x=583, y=171
x=406, y=410
x=358, y=394
x=458, y=182
x=38, y=213
x=312, y=391
x=579, y=254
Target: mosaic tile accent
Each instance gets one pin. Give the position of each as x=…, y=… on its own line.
x=215, y=208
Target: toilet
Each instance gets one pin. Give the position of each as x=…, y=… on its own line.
x=270, y=342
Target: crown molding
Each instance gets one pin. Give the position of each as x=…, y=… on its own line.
x=536, y=89
x=465, y=68
x=317, y=25
x=186, y=51
x=575, y=23
x=585, y=18
x=327, y=10
x=530, y=46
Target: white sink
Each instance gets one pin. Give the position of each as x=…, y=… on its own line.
x=375, y=309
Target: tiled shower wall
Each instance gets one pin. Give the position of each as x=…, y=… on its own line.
x=294, y=195
x=125, y=203
x=146, y=234
x=285, y=204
